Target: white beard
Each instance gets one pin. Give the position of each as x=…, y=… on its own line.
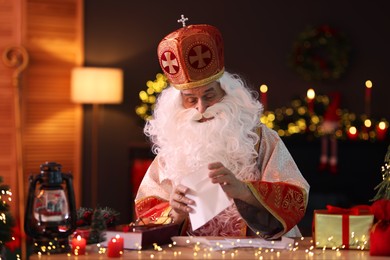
x=185, y=146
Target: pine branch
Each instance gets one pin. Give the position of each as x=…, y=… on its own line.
x=98, y=226
x=384, y=187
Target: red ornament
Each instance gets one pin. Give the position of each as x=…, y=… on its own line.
x=379, y=239
x=380, y=232
x=15, y=242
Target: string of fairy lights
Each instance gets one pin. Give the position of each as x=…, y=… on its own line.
x=304, y=116
x=148, y=97
x=206, y=251
x=308, y=245
x=6, y=218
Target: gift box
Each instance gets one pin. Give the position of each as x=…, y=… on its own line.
x=342, y=228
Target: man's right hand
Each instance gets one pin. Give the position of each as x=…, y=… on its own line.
x=180, y=203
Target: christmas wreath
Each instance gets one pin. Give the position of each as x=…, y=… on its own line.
x=320, y=53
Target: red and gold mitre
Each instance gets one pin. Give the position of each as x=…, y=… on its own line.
x=192, y=56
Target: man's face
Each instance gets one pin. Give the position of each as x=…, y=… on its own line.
x=202, y=97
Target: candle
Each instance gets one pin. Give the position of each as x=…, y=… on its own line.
x=381, y=130
x=311, y=94
x=115, y=247
x=79, y=245
x=120, y=240
x=352, y=133
x=367, y=97
x=263, y=93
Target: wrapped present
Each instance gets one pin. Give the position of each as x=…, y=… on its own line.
x=343, y=228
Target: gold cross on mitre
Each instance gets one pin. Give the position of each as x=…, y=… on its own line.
x=183, y=20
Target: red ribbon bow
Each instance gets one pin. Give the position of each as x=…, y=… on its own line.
x=356, y=210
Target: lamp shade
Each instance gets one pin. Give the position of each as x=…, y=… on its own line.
x=97, y=85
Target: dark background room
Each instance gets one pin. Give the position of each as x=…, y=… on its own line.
x=258, y=38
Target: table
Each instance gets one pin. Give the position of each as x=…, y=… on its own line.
x=302, y=249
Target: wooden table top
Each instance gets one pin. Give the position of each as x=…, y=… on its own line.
x=302, y=249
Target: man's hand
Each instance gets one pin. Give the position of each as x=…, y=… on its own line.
x=179, y=203
x=233, y=187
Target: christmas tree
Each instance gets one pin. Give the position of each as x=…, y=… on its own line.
x=384, y=187
x=6, y=219
x=380, y=233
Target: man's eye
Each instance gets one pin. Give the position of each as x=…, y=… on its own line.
x=191, y=100
x=210, y=97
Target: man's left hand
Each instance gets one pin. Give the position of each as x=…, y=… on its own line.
x=233, y=187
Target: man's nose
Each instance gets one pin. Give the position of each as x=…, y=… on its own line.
x=201, y=106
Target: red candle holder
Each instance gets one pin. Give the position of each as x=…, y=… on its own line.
x=381, y=131
x=263, y=96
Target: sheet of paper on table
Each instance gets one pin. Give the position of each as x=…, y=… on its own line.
x=210, y=199
x=224, y=243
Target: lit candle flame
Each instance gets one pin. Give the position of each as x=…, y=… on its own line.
x=382, y=125
x=352, y=130
x=368, y=84
x=311, y=94
x=263, y=88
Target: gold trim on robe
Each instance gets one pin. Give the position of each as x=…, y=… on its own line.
x=153, y=210
x=286, y=202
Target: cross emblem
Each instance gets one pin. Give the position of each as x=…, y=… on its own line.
x=169, y=62
x=200, y=56
x=183, y=20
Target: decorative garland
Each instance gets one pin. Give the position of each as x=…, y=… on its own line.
x=289, y=121
x=85, y=216
x=320, y=53
x=298, y=120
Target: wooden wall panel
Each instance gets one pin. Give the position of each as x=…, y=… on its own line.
x=10, y=32
x=52, y=129
x=51, y=32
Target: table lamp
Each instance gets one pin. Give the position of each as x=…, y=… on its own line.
x=92, y=85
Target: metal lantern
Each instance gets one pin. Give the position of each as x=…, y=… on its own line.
x=51, y=211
